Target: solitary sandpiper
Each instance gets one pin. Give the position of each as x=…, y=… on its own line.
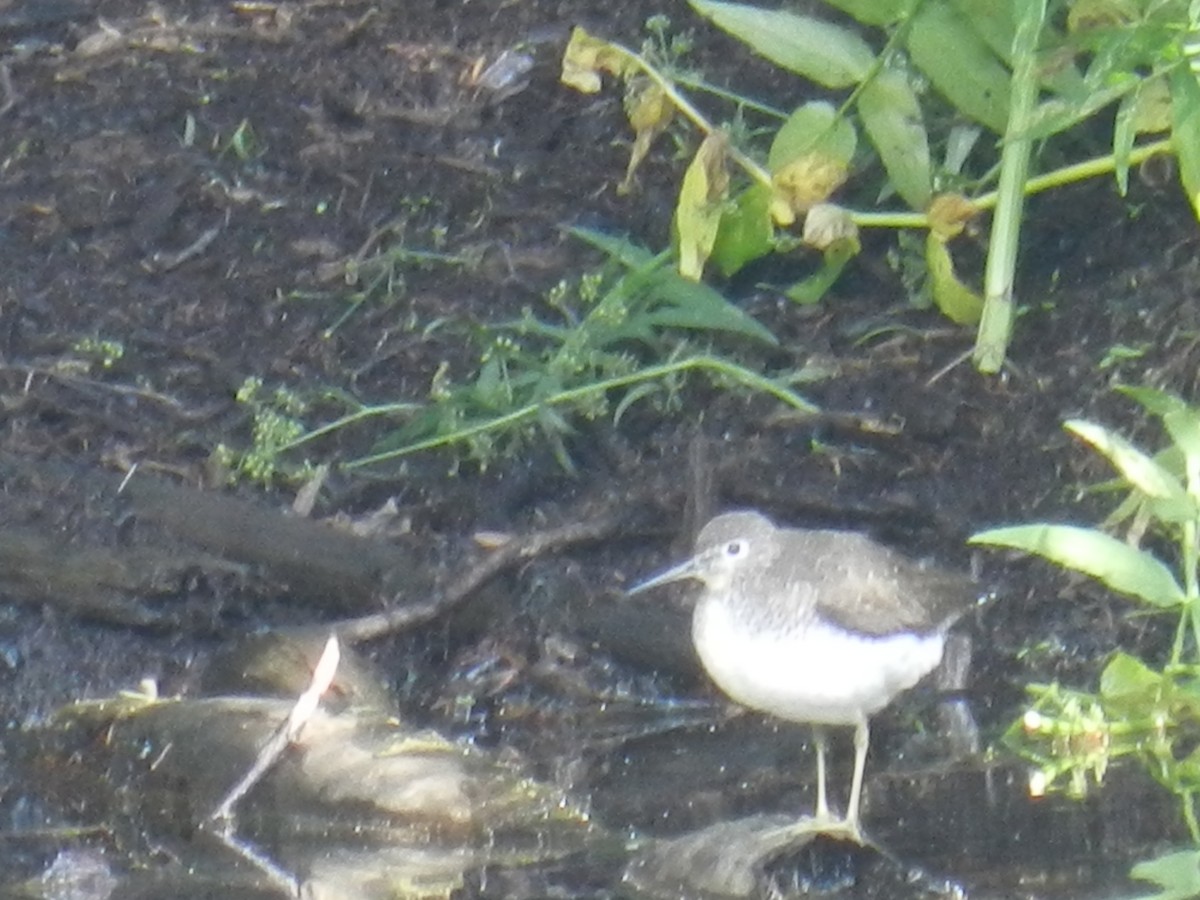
x=817, y=626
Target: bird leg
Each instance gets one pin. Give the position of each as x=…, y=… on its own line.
x=862, y=737
x=822, y=801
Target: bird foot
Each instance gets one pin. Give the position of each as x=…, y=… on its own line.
x=844, y=829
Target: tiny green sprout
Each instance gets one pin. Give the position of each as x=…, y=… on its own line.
x=105, y=352
x=1119, y=353
x=243, y=143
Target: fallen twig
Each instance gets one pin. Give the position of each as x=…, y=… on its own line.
x=507, y=555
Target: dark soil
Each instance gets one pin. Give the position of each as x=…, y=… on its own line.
x=190, y=180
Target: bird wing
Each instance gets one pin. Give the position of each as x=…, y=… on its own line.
x=867, y=587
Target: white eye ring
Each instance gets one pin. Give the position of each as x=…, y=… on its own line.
x=736, y=548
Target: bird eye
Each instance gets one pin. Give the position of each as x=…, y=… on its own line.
x=734, y=549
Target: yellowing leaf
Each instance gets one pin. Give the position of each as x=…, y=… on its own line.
x=701, y=201
x=1152, y=106
x=958, y=303
x=586, y=57
x=1090, y=15
x=827, y=224
x=807, y=181
x=949, y=215
x=649, y=111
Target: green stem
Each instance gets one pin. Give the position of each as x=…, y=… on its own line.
x=995, y=327
x=697, y=118
x=529, y=411
x=367, y=412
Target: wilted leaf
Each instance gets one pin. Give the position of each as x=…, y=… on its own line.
x=586, y=57
x=649, y=111
x=828, y=54
x=1113, y=562
x=701, y=201
x=958, y=303
x=891, y=116
x=807, y=181
x=827, y=224
x=971, y=77
x=949, y=214
x=1089, y=15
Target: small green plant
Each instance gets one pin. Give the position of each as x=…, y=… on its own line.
x=1140, y=709
x=1026, y=71
x=102, y=351
x=277, y=424
x=539, y=376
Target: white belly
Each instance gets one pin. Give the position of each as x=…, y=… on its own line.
x=818, y=674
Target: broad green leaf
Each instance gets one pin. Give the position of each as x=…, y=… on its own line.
x=812, y=129
x=1113, y=562
x=1160, y=403
x=995, y=24
x=745, y=233
x=1139, y=469
x=891, y=116
x=875, y=12
x=970, y=76
x=828, y=54
x=1176, y=874
x=702, y=199
x=619, y=248
x=1127, y=678
x=1181, y=420
x=1185, y=130
x=1183, y=425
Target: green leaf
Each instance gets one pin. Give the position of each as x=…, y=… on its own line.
x=875, y=12
x=971, y=77
x=957, y=302
x=996, y=24
x=815, y=286
x=813, y=128
x=1140, y=470
x=745, y=233
x=891, y=116
x=1183, y=425
x=1160, y=403
x=1146, y=109
x=1126, y=678
x=1185, y=130
x=1176, y=874
x=677, y=302
x=621, y=249
x=1116, y=564
x=820, y=51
